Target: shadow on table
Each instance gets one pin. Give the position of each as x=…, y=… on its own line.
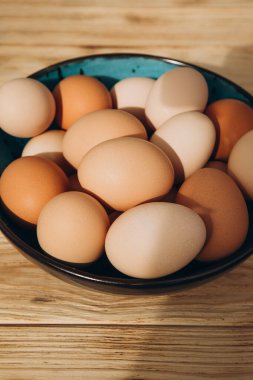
x=201, y=332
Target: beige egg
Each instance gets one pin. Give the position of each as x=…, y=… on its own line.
x=27, y=107
x=217, y=199
x=154, y=239
x=72, y=227
x=188, y=140
x=48, y=145
x=97, y=127
x=130, y=94
x=179, y=90
x=240, y=164
x=126, y=171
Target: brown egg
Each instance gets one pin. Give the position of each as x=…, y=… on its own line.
x=97, y=127
x=217, y=199
x=48, y=145
x=232, y=119
x=28, y=183
x=78, y=95
x=27, y=107
x=217, y=165
x=72, y=227
x=126, y=171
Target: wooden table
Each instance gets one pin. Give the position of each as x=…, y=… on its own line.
x=52, y=330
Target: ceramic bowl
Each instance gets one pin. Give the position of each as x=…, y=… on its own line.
x=109, y=68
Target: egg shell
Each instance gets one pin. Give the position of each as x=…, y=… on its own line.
x=28, y=183
x=179, y=90
x=49, y=145
x=74, y=185
x=72, y=227
x=96, y=127
x=220, y=165
x=154, y=239
x=33, y=104
x=217, y=199
x=232, y=119
x=188, y=140
x=130, y=94
x=240, y=164
x=78, y=95
x=126, y=171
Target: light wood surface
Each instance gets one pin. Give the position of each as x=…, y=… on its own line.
x=53, y=330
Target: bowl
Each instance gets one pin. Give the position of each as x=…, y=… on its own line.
x=109, y=68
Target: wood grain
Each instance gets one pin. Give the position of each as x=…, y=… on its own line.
x=52, y=330
x=125, y=352
x=31, y=296
x=217, y=35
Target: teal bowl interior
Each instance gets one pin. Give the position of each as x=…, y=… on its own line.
x=109, y=69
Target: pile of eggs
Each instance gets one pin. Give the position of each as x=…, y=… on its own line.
x=128, y=171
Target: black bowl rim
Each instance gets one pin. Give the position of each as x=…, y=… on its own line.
x=67, y=269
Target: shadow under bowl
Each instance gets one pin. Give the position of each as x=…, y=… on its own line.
x=110, y=68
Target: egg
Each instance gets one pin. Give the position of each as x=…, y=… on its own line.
x=72, y=227
x=179, y=90
x=96, y=127
x=240, y=164
x=232, y=119
x=217, y=199
x=48, y=145
x=220, y=165
x=27, y=107
x=188, y=140
x=78, y=95
x=154, y=239
x=74, y=185
x=130, y=94
x=126, y=171
x=28, y=183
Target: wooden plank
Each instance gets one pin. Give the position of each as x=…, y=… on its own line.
x=135, y=3
x=125, y=352
x=205, y=33
x=29, y=295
